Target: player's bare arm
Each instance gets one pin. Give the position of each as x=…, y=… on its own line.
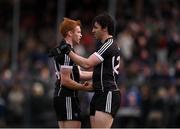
x=86, y=63
x=85, y=75
x=69, y=83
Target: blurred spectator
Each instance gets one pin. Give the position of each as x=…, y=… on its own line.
x=15, y=107
x=126, y=42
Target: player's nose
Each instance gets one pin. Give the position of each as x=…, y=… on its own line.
x=93, y=30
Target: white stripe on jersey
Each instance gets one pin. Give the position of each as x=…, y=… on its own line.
x=105, y=46
x=68, y=108
x=102, y=76
x=100, y=57
x=67, y=67
x=108, y=102
x=56, y=70
x=109, y=44
x=102, y=47
x=113, y=60
x=59, y=90
x=66, y=60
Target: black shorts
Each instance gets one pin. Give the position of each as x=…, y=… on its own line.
x=67, y=108
x=108, y=102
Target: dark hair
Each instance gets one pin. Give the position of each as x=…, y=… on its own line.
x=105, y=20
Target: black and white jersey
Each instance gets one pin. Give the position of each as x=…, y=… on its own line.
x=106, y=73
x=63, y=61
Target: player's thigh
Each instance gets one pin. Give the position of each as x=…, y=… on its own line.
x=108, y=102
x=102, y=120
x=60, y=124
x=71, y=124
x=92, y=121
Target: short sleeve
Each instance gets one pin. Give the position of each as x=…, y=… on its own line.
x=66, y=62
x=103, y=50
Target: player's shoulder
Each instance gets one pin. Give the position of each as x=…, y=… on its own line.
x=62, y=42
x=109, y=40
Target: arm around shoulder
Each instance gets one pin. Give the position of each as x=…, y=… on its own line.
x=85, y=63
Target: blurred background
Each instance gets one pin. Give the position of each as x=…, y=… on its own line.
x=148, y=32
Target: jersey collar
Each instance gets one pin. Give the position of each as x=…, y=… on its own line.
x=108, y=39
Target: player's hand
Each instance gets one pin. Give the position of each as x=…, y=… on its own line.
x=65, y=49
x=87, y=86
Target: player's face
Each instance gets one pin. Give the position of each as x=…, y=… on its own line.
x=76, y=37
x=97, y=31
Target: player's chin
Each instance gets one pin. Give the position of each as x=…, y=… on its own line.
x=95, y=37
x=78, y=42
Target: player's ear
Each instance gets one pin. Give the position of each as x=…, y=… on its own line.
x=105, y=29
x=70, y=33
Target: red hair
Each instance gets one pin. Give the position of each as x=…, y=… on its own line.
x=68, y=25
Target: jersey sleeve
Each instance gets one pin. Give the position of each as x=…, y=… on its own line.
x=63, y=61
x=66, y=62
x=103, y=50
